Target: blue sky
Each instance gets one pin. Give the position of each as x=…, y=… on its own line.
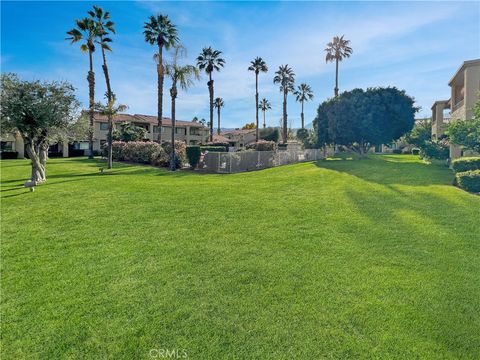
x=416, y=46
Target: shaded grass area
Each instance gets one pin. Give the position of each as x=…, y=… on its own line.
x=376, y=258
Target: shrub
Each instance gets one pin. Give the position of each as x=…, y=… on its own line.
x=262, y=145
x=180, y=154
x=214, y=148
x=193, y=155
x=135, y=151
x=466, y=164
x=8, y=154
x=269, y=134
x=415, y=151
x=397, y=151
x=434, y=150
x=469, y=180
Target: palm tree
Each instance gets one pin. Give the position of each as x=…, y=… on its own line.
x=110, y=110
x=264, y=106
x=285, y=77
x=337, y=50
x=160, y=31
x=303, y=93
x=184, y=76
x=105, y=26
x=88, y=31
x=257, y=65
x=210, y=61
x=218, y=103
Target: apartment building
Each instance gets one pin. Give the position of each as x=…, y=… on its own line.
x=464, y=90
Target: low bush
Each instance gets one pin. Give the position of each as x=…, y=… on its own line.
x=469, y=180
x=415, y=151
x=262, y=145
x=180, y=154
x=193, y=155
x=8, y=154
x=148, y=152
x=466, y=164
x=214, y=148
x=434, y=150
x=269, y=134
x=397, y=151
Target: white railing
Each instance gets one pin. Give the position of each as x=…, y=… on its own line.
x=241, y=161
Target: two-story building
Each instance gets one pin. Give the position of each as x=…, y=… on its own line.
x=464, y=89
x=239, y=138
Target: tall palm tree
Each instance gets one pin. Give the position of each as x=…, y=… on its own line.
x=264, y=106
x=258, y=65
x=303, y=93
x=209, y=60
x=105, y=27
x=285, y=77
x=337, y=50
x=110, y=110
x=218, y=103
x=184, y=76
x=160, y=31
x=87, y=31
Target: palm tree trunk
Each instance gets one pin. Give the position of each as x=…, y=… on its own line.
x=173, y=93
x=264, y=119
x=336, y=77
x=256, y=106
x=160, y=92
x=303, y=119
x=210, y=89
x=91, y=101
x=110, y=118
x=218, y=118
x=285, y=135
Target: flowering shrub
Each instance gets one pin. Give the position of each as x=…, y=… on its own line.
x=148, y=152
x=263, y=145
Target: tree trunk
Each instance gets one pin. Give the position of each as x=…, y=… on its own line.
x=336, y=77
x=173, y=94
x=160, y=92
x=110, y=118
x=264, y=119
x=218, y=118
x=38, y=169
x=256, y=106
x=302, y=116
x=210, y=90
x=285, y=124
x=91, y=100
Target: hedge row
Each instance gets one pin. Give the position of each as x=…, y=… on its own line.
x=148, y=152
x=469, y=180
x=263, y=145
x=466, y=164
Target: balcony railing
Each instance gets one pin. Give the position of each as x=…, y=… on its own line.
x=458, y=105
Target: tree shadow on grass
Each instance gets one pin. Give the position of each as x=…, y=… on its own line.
x=390, y=170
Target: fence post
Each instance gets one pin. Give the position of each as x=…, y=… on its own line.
x=218, y=162
x=230, y=161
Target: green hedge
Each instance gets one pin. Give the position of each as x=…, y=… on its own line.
x=8, y=154
x=193, y=155
x=469, y=180
x=214, y=148
x=466, y=164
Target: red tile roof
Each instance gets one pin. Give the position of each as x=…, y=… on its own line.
x=145, y=118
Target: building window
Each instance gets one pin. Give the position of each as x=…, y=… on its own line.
x=7, y=146
x=103, y=126
x=194, y=131
x=180, y=131
x=155, y=129
x=83, y=145
x=164, y=128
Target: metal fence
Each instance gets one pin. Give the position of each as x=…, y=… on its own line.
x=241, y=161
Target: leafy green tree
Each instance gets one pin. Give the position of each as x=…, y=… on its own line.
x=105, y=27
x=160, y=31
x=129, y=132
x=285, y=77
x=303, y=93
x=38, y=111
x=184, y=76
x=337, y=50
x=87, y=31
x=209, y=60
x=258, y=65
x=465, y=133
x=360, y=119
x=270, y=134
x=421, y=133
x=218, y=103
x=264, y=106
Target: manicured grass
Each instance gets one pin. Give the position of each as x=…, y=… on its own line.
x=376, y=258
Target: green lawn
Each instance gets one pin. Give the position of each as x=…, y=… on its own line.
x=376, y=258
